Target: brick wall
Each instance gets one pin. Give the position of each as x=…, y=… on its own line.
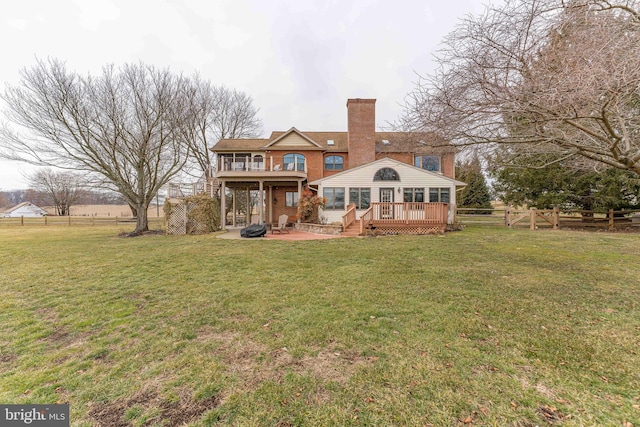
x=361, y=125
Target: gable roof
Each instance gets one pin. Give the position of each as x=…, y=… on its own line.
x=291, y=131
x=33, y=208
x=394, y=163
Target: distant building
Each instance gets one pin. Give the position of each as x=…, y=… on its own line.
x=26, y=209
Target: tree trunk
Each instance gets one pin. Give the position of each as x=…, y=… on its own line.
x=142, y=223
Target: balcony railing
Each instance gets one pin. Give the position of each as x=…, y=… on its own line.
x=259, y=164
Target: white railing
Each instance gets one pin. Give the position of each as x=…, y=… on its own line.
x=260, y=164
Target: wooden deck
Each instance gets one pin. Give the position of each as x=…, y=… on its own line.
x=401, y=218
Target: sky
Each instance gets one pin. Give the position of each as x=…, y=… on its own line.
x=299, y=60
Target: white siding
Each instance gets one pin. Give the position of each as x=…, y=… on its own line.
x=363, y=178
x=293, y=140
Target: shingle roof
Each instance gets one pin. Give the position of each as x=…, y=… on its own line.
x=398, y=142
x=410, y=142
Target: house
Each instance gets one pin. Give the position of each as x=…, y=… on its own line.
x=25, y=209
x=383, y=176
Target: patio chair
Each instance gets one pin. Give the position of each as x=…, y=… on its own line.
x=282, y=224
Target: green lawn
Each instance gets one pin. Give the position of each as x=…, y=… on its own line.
x=488, y=326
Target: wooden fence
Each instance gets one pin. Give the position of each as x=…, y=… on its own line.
x=72, y=221
x=550, y=218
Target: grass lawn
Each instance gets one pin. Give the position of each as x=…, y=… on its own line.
x=488, y=326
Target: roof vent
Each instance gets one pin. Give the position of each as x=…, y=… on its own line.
x=422, y=142
x=330, y=142
x=386, y=142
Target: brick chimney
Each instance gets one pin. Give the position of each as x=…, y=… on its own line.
x=361, y=128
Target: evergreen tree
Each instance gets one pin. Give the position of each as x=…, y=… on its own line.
x=561, y=184
x=476, y=194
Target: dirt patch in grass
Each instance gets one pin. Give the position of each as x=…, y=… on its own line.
x=142, y=233
x=153, y=407
x=253, y=363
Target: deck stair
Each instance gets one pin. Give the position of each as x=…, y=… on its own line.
x=352, y=230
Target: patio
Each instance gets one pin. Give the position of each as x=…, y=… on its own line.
x=234, y=233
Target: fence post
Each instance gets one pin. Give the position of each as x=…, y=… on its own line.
x=611, y=221
x=45, y=220
x=21, y=219
x=69, y=220
x=556, y=218
x=507, y=216
x=116, y=220
x=532, y=218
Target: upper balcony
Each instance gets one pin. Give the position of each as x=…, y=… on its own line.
x=261, y=167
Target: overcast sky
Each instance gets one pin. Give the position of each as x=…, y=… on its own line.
x=300, y=60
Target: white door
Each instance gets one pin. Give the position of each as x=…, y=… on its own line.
x=386, y=198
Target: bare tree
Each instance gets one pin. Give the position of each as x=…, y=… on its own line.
x=544, y=76
x=61, y=187
x=218, y=112
x=4, y=201
x=124, y=127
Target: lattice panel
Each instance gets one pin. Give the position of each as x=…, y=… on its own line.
x=177, y=221
x=193, y=225
x=413, y=230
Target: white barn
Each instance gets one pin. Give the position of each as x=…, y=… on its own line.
x=385, y=180
x=26, y=209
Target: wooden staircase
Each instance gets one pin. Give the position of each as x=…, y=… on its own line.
x=353, y=230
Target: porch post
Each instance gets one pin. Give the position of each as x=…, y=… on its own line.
x=299, y=195
x=261, y=205
x=233, y=206
x=247, y=219
x=223, y=207
x=270, y=204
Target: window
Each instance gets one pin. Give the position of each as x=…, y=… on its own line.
x=335, y=198
x=429, y=163
x=291, y=199
x=334, y=163
x=386, y=174
x=414, y=195
x=361, y=197
x=293, y=162
x=439, y=195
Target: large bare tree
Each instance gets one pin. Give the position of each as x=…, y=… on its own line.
x=62, y=188
x=218, y=112
x=544, y=77
x=125, y=126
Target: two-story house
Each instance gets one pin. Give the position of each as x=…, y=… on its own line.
x=390, y=175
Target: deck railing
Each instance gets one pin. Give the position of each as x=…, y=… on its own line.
x=260, y=164
x=349, y=217
x=407, y=213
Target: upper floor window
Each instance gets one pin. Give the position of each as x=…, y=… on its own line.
x=334, y=163
x=293, y=162
x=430, y=163
x=386, y=174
